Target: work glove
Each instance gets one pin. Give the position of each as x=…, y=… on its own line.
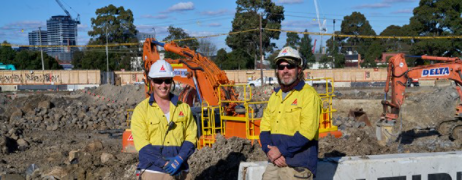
x=173, y=166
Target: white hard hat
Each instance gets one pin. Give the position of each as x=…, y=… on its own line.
x=161, y=69
x=288, y=53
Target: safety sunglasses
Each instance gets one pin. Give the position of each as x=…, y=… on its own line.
x=160, y=81
x=289, y=66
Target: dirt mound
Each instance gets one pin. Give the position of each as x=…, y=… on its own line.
x=222, y=160
x=128, y=94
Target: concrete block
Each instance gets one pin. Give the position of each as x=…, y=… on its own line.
x=439, y=165
x=427, y=82
x=251, y=170
x=5, y=88
x=341, y=84
x=443, y=82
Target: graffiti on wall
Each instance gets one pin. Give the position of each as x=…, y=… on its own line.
x=30, y=78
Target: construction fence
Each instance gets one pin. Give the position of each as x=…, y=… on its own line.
x=50, y=77
x=97, y=77
x=242, y=76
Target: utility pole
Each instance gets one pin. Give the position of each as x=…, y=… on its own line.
x=261, y=54
x=332, y=53
x=107, y=57
x=41, y=50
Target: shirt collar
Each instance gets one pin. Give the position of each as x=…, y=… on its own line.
x=173, y=99
x=298, y=87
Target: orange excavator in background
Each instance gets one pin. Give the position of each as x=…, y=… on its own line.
x=201, y=76
x=398, y=74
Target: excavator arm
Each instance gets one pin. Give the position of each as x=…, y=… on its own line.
x=397, y=75
x=201, y=75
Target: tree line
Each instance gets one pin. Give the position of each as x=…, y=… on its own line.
x=116, y=25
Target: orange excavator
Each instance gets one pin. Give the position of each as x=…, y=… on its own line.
x=201, y=76
x=398, y=74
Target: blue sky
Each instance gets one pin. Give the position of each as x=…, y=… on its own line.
x=198, y=18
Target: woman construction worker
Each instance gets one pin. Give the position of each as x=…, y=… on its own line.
x=163, y=129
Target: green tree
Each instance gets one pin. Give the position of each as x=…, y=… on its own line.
x=115, y=25
x=7, y=54
x=396, y=44
x=238, y=59
x=247, y=18
x=293, y=40
x=339, y=60
x=31, y=60
x=179, y=34
x=437, y=18
x=374, y=52
x=306, y=49
x=357, y=24
x=221, y=58
x=325, y=61
x=77, y=57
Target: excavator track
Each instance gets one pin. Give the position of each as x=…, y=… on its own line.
x=450, y=128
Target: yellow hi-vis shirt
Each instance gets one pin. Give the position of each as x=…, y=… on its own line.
x=291, y=124
x=149, y=128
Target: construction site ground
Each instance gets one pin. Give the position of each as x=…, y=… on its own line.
x=73, y=135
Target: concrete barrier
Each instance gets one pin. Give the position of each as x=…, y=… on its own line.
x=341, y=84
x=413, y=166
x=4, y=88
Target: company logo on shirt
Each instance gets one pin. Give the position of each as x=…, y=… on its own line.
x=162, y=69
x=181, y=114
x=294, y=102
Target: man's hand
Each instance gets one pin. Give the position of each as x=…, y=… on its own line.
x=173, y=166
x=280, y=162
x=274, y=153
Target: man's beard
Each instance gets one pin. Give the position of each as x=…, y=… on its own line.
x=291, y=81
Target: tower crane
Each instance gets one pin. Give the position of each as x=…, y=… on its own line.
x=320, y=25
x=67, y=12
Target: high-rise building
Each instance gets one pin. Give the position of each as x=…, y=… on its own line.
x=34, y=39
x=62, y=31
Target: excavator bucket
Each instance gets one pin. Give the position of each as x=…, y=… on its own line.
x=384, y=132
x=360, y=116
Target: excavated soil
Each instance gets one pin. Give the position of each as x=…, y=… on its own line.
x=77, y=135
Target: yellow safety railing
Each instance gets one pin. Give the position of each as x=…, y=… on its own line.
x=326, y=118
x=129, y=117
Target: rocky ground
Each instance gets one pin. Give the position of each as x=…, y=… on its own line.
x=76, y=135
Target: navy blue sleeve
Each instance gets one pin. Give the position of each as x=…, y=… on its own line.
x=186, y=150
x=293, y=145
x=265, y=140
x=150, y=155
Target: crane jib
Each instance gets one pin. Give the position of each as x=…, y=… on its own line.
x=435, y=72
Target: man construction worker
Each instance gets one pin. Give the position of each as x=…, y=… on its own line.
x=163, y=129
x=289, y=126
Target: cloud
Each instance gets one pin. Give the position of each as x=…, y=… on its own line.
x=199, y=33
x=149, y=29
x=183, y=6
x=26, y=25
x=214, y=25
x=161, y=16
x=300, y=24
x=372, y=6
x=403, y=11
x=290, y=1
x=83, y=28
x=218, y=12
